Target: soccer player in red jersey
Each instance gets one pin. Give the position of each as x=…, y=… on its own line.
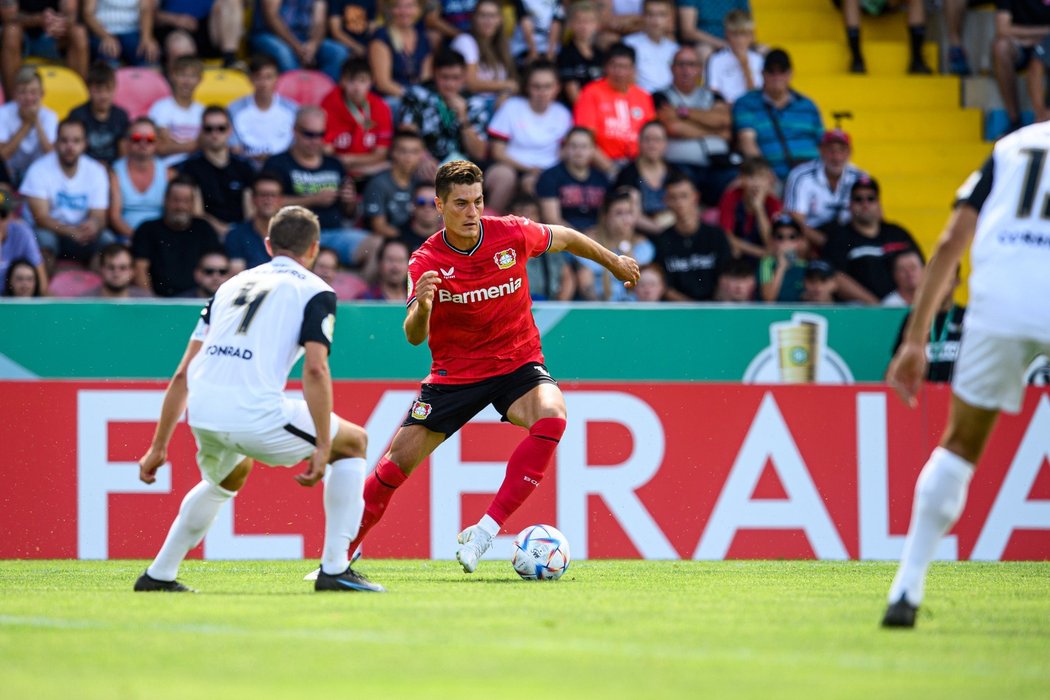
x=469, y=294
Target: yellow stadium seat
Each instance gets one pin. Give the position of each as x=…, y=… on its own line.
x=221, y=86
x=63, y=89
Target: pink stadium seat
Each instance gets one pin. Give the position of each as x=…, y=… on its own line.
x=138, y=89
x=304, y=87
x=73, y=283
x=1, y=94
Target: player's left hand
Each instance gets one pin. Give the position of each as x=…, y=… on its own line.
x=626, y=270
x=906, y=372
x=315, y=469
x=150, y=463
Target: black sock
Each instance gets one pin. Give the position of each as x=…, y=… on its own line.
x=853, y=37
x=228, y=58
x=917, y=33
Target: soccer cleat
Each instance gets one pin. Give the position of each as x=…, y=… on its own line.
x=312, y=576
x=349, y=580
x=900, y=614
x=857, y=66
x=918, y=67
x=146, y=583
x=474, y=543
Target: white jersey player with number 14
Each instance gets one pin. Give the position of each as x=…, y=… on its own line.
x=1004, y=209
x=231, y=379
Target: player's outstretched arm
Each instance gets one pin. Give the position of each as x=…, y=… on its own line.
x=317, y=391
x=623, y=267
x=417, y=322
x=908, y=367
x=170, y=412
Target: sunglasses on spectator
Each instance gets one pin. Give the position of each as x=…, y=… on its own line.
x=143, y=138
x=864, y=199
x=214, y=270
x=311, y=134
x=424, y=201
x=215, y=128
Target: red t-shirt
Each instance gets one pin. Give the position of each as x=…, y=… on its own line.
x=615, y=117
x=481, y=325
x=347, y=134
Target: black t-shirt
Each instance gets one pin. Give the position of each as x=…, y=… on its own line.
x=300, y=181
x=103, y=137
x=692, y=263
x=222, y=189
x=573, y=66
x=173, y=255
x=411, y=239
x=580, y=199
x=942, y=347
x=867, y=260
x=1025, y=13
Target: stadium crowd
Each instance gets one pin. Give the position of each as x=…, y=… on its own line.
x=662, y=130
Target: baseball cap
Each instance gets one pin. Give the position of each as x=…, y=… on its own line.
x=777, y=60
x=835, y=136
x=865, y=182
x=819, y=268
x=783, y=220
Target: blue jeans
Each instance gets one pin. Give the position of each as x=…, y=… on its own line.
x=344, y=241
x=330, y=55
x=129, y=46
x=64, y=248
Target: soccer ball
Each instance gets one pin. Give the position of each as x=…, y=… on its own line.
x=540, y=552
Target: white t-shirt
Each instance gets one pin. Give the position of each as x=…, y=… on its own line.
x=183, y=123
x=808, y=193
x=263, y=133
x=253, y=331
x=652, y=63
x=1010, y=255
x=29, y=150
x=70, y=199
x=532, y=139
x=726, y=76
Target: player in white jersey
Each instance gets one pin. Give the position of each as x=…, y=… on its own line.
x=1004, y=208
x=231, y=379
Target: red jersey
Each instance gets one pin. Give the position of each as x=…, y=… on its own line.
x=357, y=133
x=481, y=324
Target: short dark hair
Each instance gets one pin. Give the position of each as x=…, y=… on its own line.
x=294, y=229
x=187, y=63
x=738, y=267
x=180, y=180
x=111, y=251
x=268, y=176
x=16, y=263
x=404, y=135
x=387, y=242
x=259, y=61
x=448, y=58
x=538, y=66
x=355, y=65
x=620, y=50
x=101, y=73
x=214, y=109
x=753, y=165
x=677, y=177
x=579, y=130
x=71, y=121
x=456, y=172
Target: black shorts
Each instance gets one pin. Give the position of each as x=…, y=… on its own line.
x=445, y=408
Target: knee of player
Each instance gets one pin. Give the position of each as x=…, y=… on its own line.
x=351, y=441
x=550, y=427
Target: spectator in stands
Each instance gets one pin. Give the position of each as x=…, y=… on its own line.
x=780, y=274
x=1022, y=42
x=400, y=52
x=45, y=29
x=137, y=181
x=117, y=270
x=617, y=19
x=614, y=108
x=819, y=284
x=450, y=119
x=178, y=117
x=616, y=231
x=491, y=72
x=105, y=122
x=447, y=19
x=121, y=31
x=263, y=122
x=294, y=32
x=654, y=46
x=388, y=196
x=424, y=219
x=862, y=251
x=216, y=26
x=747, y=208
x=552, y=277
x=691, y=252
x=246, y=242
x=166, y=250
x=907, y=269
x=942, y=349
x=351, y=23
x=698, y=124
x=817, y=192
x=27, y=128
x=652, y=285
x=392, y=281
x=702, y=23
x=537, y=30
x=645, y=176
x=916, y=34
x=326, y=266
x=211, y=271
x=524, y=136
x=954, y=21
x=314, y=180
x=580, y=61
x=68, y=195
x=177, y=44
x=17, y=241
x=360, y=126
x=775, y=121
x=222, y=177
x=736, y=67
x=571, y=193
x=22, y=280
x=736, y=282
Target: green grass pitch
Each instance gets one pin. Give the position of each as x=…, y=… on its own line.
x=608, y=629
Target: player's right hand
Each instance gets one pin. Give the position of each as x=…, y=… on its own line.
x=627, y=271
x=315, y=469
x=426, y=287
x=150, y=463
x=907, y=371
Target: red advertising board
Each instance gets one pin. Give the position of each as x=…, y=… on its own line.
x=661, y=471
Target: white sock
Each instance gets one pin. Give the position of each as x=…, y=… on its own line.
x=940, y=495
x=344, y=504
x=196, y=515
x=489, y=525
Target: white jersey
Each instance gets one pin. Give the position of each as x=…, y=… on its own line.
x=808, y=192
x=253, y=331
x=1010, y=256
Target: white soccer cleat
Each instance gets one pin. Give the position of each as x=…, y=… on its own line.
x=474, y=542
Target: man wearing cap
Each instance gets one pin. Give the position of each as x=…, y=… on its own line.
x=817, y=192
x=818, y=284
x=862, y=251
x=776, y=122
x=17, y=240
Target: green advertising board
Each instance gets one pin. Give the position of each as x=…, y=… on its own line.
x=636, y=342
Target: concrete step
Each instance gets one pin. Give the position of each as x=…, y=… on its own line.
x=883, y=58
x=822, y=22
x=873, y=92
x=885, y=158
x=911, y=125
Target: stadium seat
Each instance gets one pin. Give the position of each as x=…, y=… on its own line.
x=221, y=86
x=63, y=89
x=304, y=87
x=73, y=283
x=138, y=89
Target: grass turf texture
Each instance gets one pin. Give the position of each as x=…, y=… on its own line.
x=781, y=629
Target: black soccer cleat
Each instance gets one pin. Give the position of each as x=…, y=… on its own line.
x=349, y=580
x=146, y=583
x=900, y=614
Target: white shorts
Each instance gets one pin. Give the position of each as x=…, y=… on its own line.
x=218, y=452
x=990, y=371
